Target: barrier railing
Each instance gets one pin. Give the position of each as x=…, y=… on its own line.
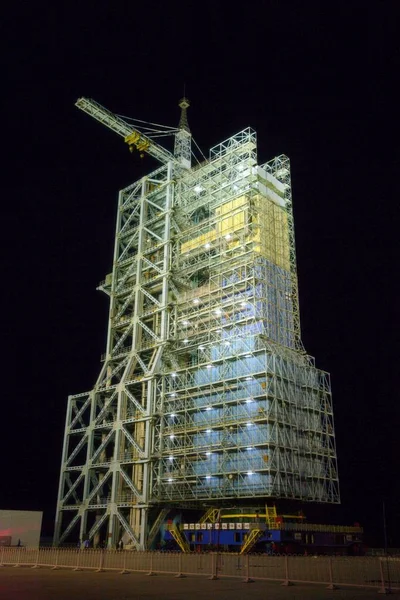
x=382, y=573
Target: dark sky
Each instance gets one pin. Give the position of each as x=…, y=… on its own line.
x=318, y=83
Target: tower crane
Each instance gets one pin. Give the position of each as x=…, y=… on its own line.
x=133, y=137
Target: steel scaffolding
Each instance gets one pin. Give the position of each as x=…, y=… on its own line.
x=206, y=393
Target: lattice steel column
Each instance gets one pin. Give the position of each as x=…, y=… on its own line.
x=116, y=421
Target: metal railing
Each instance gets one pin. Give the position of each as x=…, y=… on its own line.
x=381, y=573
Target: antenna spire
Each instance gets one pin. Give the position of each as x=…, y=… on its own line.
x=183, y=137
x=183, y=122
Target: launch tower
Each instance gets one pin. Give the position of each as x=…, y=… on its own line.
x=206, y=396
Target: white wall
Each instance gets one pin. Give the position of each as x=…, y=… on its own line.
x=23, y=525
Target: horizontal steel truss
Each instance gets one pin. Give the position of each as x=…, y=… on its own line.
x=118, y=455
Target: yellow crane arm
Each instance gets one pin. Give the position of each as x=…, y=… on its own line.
x=134, y=138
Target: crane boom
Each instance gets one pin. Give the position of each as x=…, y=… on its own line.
x=132, y=136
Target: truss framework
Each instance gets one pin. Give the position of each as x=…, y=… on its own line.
x=206, y=392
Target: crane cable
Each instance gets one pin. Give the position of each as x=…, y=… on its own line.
x=156, y=133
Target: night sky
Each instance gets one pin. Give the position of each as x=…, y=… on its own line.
x=318, y=83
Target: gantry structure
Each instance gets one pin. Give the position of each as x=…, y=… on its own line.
x=206, y=395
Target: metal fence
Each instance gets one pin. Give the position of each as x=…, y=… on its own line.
x=382, y=573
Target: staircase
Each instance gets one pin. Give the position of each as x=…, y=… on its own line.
x=251, y=539
x=179, y=537
x=211, y=516
x=271, y=517
x=155, y=528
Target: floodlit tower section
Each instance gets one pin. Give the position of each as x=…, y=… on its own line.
x=245, y=411
x=183, y=137
x=206, y=395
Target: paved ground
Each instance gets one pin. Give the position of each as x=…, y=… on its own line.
x=45, y=584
